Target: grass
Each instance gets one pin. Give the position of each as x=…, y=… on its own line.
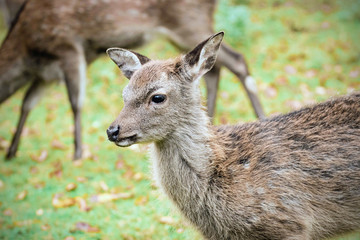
x=300, y=52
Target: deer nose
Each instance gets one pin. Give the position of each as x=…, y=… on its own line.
x=113, y=132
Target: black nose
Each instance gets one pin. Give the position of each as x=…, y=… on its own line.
x=113, y=132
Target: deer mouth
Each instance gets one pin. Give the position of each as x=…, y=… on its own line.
x=127, y=141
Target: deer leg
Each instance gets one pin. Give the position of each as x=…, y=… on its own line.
x=74, y=65
x=212, y=84
x=32, y=97
x=235, y=62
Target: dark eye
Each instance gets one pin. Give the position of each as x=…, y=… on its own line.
x=159, y=98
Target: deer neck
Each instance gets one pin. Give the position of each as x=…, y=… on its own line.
x=181, y=161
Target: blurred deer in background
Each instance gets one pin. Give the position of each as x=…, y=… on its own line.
x=291, y=177
x=55, y=40
x=9, y=10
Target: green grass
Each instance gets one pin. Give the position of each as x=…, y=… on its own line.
x=300, y=52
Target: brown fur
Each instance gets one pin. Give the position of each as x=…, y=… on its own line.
x=294, y=176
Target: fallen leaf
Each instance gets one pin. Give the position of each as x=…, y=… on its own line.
x=104, y=186
x=39, y=212
x=78, y=163
x=290, y=69
x=82, y=204
x=34, y=170
x=129, y=174
x=39, y=185
x=167, y=220
x=57, y=172
x=282, y=80
x=6, y=171
x=107, y=197
x=56, y=144
x=102, y=138
x=81, y=179
x=71, y=187
x=86, y=154
x=85, y=227
x=45, y=227
x=138, y=177
x=25, y=132
x=310, y=73
x=70, y=238
x=294, y=57
x=4, y=144
x=59, y=202
x=50, y=117
x=320, y=90
x=24, y=223
x=2, y=185
x=21, y=195
x=8, y=212
x=338, y=69
x=42, y=157
x=354, y=73
x=141, y=201
x=119, y=164
x=270, y=92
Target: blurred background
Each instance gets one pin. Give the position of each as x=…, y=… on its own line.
x=299, y=51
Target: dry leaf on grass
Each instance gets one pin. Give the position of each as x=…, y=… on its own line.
x=39, y=212
x=141, y=201
x=270, y=92
x=8, y=212
x=34, y=170
x=59, y=202
x=39, y=158
x=119, y=164
x=167, y=220
x=71, y=187
x=56, y=144
x=4, y=144
x=57, y=172
x=354, y=74
x=24, y=223
x=104, y=186
x=107, y=197
x=39, y=184
x=21, y=195
x=138, y=176
x=70, y=238
x=45, y=227
x=85, y=227
x=81, y=179
x=82, y=204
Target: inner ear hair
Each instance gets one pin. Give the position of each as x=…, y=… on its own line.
x=143, y=59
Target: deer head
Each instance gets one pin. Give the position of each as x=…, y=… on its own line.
x=161, y=95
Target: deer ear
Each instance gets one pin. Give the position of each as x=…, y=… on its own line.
x=127, y=61
x=202, y=58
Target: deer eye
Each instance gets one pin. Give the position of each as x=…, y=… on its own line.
x=158, y=98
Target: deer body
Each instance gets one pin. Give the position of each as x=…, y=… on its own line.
x=55, y=40
x=294, y=176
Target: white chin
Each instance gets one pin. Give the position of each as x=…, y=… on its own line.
x=124, y=143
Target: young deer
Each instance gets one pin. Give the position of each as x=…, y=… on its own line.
x=56, y=39
x=294, y=176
